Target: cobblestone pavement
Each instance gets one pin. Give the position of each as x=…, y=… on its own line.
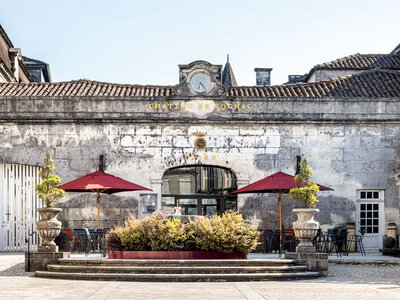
x=345, y=281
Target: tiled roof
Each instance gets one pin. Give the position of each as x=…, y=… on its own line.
x=396, y=50
x=363, y=62
x=372, y=83
x=84, y=87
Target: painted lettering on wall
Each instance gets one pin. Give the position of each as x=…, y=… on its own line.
x=199, y=106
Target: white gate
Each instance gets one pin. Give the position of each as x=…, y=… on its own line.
x=18, y=203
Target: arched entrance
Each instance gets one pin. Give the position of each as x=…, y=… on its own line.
x=199, y=190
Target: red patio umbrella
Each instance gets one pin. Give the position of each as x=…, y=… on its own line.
x=100, y=182
x=276, y=183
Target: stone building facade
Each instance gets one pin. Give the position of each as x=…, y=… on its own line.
x=17, y=68
x=347, y=127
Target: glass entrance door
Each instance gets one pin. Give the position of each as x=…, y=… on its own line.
x=199, y=190
x=209, y=207
x=370, y=218
x=188, y=206
x=199, y=206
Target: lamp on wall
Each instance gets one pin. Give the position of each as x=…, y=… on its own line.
x=298, y=159
x=101, y=163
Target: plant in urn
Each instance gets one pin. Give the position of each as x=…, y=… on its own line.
x=305, y=228
x=48, y=227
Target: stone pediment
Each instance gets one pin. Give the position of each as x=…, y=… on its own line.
x=200, y=78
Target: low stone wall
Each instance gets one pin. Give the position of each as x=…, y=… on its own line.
x=38, y=261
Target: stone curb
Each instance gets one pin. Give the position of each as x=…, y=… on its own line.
x=365, y=262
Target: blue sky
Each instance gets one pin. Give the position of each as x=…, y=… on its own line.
x=144, y=41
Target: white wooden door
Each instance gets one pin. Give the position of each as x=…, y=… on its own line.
x=18, y=203
x=370, y=217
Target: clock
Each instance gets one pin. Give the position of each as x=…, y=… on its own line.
x=200, y=83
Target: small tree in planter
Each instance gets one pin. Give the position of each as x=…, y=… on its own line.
x=305, y=227
x=306, y=190
x=49, y=227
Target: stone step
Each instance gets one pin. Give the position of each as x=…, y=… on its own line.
x=177, y=263
x=174, y=269
x=178, y=277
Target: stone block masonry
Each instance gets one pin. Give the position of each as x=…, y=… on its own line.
x=38, y=261
x=350, y=143
x=316, y=262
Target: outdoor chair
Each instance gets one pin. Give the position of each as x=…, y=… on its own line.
x=260, y=247
x=90, y=242
x=358, y=240
x=65, y=240
x=289, y=241
x=268, y=240
x=319, y=241
x=83, y=241
x=276, y=241
x=340, y=242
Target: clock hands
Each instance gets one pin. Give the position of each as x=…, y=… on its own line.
x=201, y=85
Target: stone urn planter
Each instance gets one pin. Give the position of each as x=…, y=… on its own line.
x=305, y=228
x=48, y=228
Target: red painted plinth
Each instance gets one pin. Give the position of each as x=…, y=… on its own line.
x=174, y=255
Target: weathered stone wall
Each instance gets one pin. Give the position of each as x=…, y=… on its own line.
x=345, y=156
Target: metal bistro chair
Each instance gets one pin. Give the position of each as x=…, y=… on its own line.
x=84, y=243
x=267, y=241
x=358, y=240
x=320, y=242
x=340, y=242
x=289, y=240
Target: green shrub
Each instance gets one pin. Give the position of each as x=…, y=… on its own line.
x=113, y=242
x=133, y=236
x=227, y=233
x=153, y=233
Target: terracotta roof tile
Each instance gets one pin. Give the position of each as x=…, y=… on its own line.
x=372, y=83
x=363, y=62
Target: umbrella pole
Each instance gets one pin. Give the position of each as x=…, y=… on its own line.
x=98, y=210
x=280, y=211
x=280, y=222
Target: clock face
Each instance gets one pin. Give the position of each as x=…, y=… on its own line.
x=200, y=83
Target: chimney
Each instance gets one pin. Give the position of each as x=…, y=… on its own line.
x=263, y=76
x=15, y=56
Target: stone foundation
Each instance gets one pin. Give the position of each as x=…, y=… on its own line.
x=38, y=261
x=316, y=262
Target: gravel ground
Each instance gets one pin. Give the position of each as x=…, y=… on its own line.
x=369, y=273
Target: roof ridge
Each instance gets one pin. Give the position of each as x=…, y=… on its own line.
x=317, y=83
x=91, y=81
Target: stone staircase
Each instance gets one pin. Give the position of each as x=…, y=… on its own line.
x=177, y=270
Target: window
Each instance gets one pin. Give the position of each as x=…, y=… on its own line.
x=199, y=190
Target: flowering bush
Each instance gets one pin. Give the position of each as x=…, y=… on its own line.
x=227, y=233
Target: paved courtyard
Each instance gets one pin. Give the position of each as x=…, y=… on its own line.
x=354, y=277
